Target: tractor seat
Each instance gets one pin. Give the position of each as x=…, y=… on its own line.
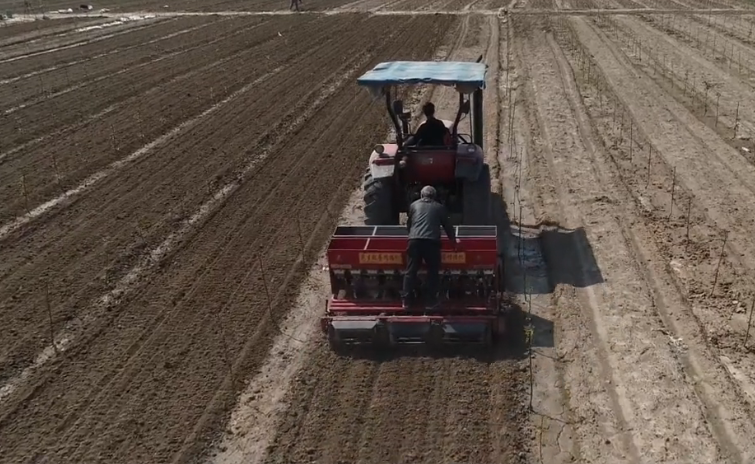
x=441, y=146
x=432, y=148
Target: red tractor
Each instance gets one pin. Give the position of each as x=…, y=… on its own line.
x=366, y=263
x=398, y=171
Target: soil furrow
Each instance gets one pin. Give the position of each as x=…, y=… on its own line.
x=392, y=403
x=142, y=224
x=127, y=375
x=28, y=122
x=120, y=134
x=341, y=405
x=670, y=62
x=531, y=194
x=83, y=54
x=13, y=32
x=237, y=321
x=45, y=80
x=73, y=40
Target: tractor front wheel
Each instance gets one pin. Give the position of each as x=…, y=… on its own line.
x=378, y=202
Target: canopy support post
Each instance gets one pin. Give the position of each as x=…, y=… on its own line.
x=477, y=117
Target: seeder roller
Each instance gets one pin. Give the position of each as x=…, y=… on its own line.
x=367, y=265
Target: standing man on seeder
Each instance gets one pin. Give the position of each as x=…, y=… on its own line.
x=425, y=218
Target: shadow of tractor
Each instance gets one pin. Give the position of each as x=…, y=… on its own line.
x=539, y=257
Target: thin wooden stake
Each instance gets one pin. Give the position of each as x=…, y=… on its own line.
x=718, y=97
x=264, y=284
x=49, y=315
x=24, y=191
x=689, y=213
x=301, y=237
x=57, y=172
x=105, y=243
x=226, y=351
x=521, y=238
x=718, y=266
x=749, y=323
x=673, y=188
x=631, y=140
x=621, y=125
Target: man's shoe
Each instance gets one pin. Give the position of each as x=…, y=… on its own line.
x=405, y=304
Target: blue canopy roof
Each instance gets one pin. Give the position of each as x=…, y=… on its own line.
x=461, y=73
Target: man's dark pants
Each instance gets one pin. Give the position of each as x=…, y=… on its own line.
x=417, y=251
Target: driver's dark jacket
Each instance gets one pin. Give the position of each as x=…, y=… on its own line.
x=425, y=218
x=432, y=132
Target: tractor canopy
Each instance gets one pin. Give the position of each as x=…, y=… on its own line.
x=465, y=76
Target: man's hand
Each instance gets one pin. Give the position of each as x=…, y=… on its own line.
x=457, y=243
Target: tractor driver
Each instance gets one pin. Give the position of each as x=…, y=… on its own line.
x=424, y=220
x=433, y=131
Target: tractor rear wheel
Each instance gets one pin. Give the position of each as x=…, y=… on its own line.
x=378, y=202
x=477, y=200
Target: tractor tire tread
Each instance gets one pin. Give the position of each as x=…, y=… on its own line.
x=378, y=202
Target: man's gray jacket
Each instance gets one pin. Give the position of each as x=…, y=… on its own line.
x=425, y=218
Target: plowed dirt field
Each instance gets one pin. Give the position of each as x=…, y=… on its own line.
x=167, y=184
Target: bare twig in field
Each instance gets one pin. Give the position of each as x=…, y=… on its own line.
x=689, y=213
x=749, y=323
x=49, y=315
x=24, y=191
x=673, y=189
x=718, y=266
